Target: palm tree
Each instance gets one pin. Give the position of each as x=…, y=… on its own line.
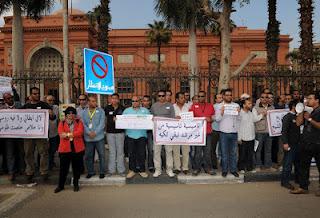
x=159, y=34
x=33, y=9
x=272, y=42
x=186, y=15
x=306, y=35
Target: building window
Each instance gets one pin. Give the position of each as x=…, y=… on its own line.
x=154, y=58
x=260, y=54
x=125, y=59
x=184, y=84
x=184, y=58
x=125, y=85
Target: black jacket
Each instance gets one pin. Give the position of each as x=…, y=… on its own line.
x=290, y=130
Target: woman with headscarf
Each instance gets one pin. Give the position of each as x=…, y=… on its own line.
x=71, y=148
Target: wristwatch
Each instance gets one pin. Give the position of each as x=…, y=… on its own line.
x=310, y=119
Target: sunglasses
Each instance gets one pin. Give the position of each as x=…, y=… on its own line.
x=161, y=96
x=202, y=96
x=36, y=93
x=135, y=101
x=81, y=99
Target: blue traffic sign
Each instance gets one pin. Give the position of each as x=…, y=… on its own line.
x=98, y=72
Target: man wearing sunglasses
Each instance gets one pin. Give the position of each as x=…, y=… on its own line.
x=162, y=108
x=137, y=140
x=41, y=144
x=83, y=104
x=203, y=153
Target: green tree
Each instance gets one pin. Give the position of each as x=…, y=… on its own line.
x=33, y=9
x=158, y=34
x=100, y=17
x=186, y=15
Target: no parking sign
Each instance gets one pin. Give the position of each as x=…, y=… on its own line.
x=98, y=72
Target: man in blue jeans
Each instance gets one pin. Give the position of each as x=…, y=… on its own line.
x=228, y=117
x=94, y=123
x=290, y=138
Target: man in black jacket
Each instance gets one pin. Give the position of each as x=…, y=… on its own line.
x=310, y=146
x=290, y=138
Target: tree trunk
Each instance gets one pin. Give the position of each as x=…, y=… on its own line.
x=306, y=47
x=66, y=76
x=193, y=61
x=225, y=74
x=103, y=26
x=272, y=44
x=17, y=45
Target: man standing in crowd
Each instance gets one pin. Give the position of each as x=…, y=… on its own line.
x=162, y=108
x=94, y=122
x=13, y=146
x=54, y=138
x=290, y=138
x=187, y=98
x=146, y=103
x=246, y=136
x=215, y=132
x=180, y=107
x=55, y=108
x=296, y=95
x=228, y=125
x=41, y=144
x=288, y=99
x=262, y=134
x=281, y=102
x=137, y=140
x=203, y=153
x=83, y=104
x=310, y=146
x=169, y=96
x=115, y=137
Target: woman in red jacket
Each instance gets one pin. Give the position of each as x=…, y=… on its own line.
x=71, y=148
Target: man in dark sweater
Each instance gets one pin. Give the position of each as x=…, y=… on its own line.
x=290, y=138
x=41, y=144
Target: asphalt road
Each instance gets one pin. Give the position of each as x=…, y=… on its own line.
x=236, y=200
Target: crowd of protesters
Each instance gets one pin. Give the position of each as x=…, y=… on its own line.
x=235, y=143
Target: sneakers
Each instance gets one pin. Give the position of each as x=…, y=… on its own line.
x=176, y=171
x=195, y=172
x=185, y=172
x=224, y=174
x=130, y=175
x=156, y=174
x=144, y=175
x=170, y=174
x=299, y=191
x=242, y=172
x=89, y=176
x=101, y=176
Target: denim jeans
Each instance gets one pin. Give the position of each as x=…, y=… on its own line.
x=228, y=144
x=265, y=142
x=150, y=150
x=290, y=157
x=116, y=152
x=203, y=155
x=90, y=149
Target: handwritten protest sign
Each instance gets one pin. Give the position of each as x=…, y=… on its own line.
x=186, y=116
x=5, y=85
x=179, y=132
x=274, y=119
x=29, y=123
x=134, y=121
x=231, y=109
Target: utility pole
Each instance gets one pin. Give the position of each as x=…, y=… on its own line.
x=66, y=77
